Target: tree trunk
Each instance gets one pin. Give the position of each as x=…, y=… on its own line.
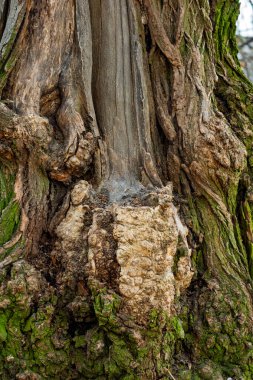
x=126, y=231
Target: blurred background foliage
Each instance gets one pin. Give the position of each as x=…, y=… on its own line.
x=245, y=37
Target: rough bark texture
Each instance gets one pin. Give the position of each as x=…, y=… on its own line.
x=126, y=232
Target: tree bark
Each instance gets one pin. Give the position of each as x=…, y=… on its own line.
x=126, y=235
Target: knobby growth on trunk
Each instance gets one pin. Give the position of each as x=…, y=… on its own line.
x=126, y=232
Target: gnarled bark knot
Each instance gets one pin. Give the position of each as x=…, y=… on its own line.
x=131, y=248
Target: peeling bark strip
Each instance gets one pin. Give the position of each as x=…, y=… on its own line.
x=125, y=191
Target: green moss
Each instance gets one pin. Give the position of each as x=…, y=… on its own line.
x=226, y=14
x=126, y=357
x=6, y=188
x=246, y=228
x=39, y=185
x=3, y=323
x=105, y=307
x=9, y=207
x=80, y=341
x=178, y=328
x=9, y=221
x=225, y=342
x=10, y=53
